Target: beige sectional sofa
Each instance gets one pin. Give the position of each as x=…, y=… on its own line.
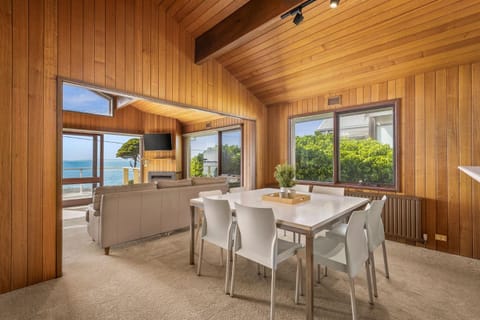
x=124, y=213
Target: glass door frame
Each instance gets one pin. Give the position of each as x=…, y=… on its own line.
x=220, y=144
x=218, y=132
x=97, y=162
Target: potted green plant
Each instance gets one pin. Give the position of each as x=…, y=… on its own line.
x=285, y=175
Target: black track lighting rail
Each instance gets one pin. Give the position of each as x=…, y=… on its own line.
x=297, y=9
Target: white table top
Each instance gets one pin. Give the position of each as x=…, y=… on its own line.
x=473, y=172
x=309, y=216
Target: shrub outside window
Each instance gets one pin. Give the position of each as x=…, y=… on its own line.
x=350, y=147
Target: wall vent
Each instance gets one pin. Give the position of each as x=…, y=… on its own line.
x=334, y=100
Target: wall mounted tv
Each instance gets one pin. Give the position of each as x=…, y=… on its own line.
x=157, y=141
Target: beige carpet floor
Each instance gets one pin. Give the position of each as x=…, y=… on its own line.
x=152, y=280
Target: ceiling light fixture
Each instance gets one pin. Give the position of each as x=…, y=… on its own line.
x=298, y=17
x=334, y=3
x=297, y=12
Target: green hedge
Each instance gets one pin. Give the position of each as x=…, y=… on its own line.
x=364, y=161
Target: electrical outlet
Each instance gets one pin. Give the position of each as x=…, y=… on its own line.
x=440, y=237
x=425, y=237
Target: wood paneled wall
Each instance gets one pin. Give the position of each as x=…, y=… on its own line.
x=124, y=45
x=134, y=46
x=214, y=124
x=28, y=167
x=439, y=116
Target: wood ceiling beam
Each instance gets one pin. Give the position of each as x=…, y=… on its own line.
x=239, y=27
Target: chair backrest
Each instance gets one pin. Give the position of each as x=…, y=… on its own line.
x=356, y=249
x=374, y=224
x=301, y=187
x=218, y=218
x=236, y=189
x=256, y=232
x=329, y=190
x=202, y=194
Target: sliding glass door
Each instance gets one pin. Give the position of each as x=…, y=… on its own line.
x=204, y=155
x=215, y=153
x=97, y=159
x=82, y=167
x=231, y=151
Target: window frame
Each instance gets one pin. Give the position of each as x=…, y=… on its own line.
x=218, y=132
x=111, y=99
x=394, y=104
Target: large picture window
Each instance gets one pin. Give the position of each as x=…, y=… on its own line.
x=351, y=147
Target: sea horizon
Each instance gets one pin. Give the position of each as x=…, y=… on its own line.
x=113, y=170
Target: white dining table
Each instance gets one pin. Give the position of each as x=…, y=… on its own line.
x=306, y=218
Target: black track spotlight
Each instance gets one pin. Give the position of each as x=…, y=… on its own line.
x=334, y=3
x=298, y=18
x=297, y=12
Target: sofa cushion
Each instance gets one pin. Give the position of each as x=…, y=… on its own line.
x=167, y=183
x=207, y=180
x=99, y=191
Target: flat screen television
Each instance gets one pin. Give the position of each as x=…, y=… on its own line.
x=157, y=141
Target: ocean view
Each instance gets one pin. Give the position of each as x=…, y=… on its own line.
x=113, y=172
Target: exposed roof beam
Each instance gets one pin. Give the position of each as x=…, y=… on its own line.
x=239, y=27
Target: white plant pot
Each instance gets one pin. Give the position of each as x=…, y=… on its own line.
x=283, y=192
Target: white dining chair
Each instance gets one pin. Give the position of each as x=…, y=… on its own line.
x=236, y=189
x=346, y=254
x=329, y=190
x=301, y=187
x=217, y=229
x=375, y=236
x=256, y=239
x=203, y=194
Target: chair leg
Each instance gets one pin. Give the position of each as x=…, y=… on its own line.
x=227, y=271
x=326, y=271
x=294, y=236
x=387, y=274
x=264, y=272
x=199, y=226
x=258, y=269
x=232, y=281
x=374, y=273
x=301, y=279
x=352, y=299
x=298, y=279
x=369, y=281
x=272, y=296
x=200, y=255
x=319, y=273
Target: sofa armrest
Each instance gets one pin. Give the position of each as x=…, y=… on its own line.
x=90, y=212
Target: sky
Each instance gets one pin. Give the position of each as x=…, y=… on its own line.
x=199, y=144
x=307, y=127
x=83, y=100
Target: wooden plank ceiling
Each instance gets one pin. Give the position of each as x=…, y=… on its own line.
x=362, y=41
x=186, y=116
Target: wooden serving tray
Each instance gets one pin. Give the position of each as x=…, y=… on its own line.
x=275, y=197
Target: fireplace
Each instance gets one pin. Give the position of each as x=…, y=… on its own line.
x=156, y=175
